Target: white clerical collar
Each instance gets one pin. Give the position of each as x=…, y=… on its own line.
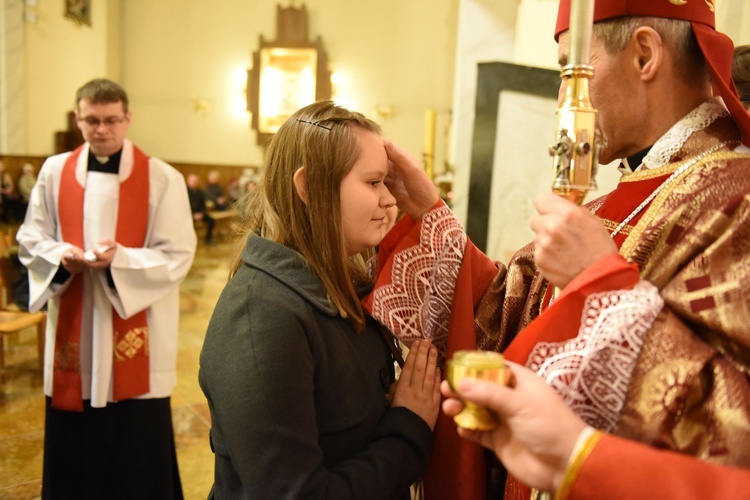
x=671, y=142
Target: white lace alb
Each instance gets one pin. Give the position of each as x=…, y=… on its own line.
x=592, y=371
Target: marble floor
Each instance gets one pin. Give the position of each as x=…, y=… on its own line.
x=22, y=400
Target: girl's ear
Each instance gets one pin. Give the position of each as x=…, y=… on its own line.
x=300, y=184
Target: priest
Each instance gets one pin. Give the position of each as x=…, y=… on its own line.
x=108, y=237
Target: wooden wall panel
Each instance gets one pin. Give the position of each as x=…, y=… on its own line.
x=13, y=165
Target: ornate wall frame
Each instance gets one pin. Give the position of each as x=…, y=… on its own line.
x=287, y=74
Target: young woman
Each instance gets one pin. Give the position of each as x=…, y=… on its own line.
x=297, y=377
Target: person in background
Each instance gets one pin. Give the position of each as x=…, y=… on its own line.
x=26, y=184
x=214, y=192
x=248, y=174
x=234, y=191
x=8, y=196
x=653, y=274
x=198, y=206
x=300, y=381
x=247, y=195
x=741, y=73
x=107, y=240
x=547, y=446
x=250, y=186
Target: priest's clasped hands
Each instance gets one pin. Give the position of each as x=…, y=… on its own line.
x=76, y=260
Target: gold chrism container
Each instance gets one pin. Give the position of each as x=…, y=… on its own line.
x=483, y=365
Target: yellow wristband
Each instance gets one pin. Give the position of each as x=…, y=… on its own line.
x=584, y=446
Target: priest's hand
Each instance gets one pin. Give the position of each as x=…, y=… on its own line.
x=568, y=239
x=103, y=254
x=73, y=260
x=407, y=181
x=537, y=431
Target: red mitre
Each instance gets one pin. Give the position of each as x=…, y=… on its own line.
x=717, y=48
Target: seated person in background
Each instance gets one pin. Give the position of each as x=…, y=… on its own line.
x=248, y=174
x=547, y=446
x=248, y=191
x=741, y=73
x=214, y=193
x=250, y=186
x=198, y=205
x=25, y=185
x=10, y=211
x=234, y=190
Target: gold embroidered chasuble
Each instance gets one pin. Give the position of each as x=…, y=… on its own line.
x=689, y=389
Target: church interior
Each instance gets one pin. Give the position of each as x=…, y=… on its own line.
x=469, y=86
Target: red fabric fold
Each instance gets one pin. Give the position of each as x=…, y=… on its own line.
x=457, y=468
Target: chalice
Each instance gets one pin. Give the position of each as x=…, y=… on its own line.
x=482, y=365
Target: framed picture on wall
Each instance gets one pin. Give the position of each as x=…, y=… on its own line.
x=79, y=11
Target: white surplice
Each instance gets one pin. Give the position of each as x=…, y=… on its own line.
x=145, y=278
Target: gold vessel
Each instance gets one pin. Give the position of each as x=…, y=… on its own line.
x=482, y=365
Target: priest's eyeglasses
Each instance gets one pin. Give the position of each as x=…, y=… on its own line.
x=107, y=122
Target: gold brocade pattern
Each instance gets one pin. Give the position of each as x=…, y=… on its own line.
x=68, y=356
x=681, y=184
x=130, y=344
x=519, y=289
x=612, y=225
x=648, y=173
x=689, y=391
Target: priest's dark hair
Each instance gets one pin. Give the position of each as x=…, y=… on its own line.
x=101, y=90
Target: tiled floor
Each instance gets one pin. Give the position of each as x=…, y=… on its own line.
x=22, y=401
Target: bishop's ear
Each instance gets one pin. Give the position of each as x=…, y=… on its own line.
x=648, y=52
x=300, y=184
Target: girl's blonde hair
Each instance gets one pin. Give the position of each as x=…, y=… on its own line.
x=321, y=138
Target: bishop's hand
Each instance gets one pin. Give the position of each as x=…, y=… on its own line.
x=568, y=239
x=407, y=181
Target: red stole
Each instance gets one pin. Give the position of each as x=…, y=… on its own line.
x=130, y=342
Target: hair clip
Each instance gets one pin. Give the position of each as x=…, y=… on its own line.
x=317, y=124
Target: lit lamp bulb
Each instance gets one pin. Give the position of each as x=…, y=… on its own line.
x=482, y=365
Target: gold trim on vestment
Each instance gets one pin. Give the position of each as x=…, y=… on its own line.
x=611, y=225
x=653, y=211
x=650, y=173
x=67, y=356
x=128, y=345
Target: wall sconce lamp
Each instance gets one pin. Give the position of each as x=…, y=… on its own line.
x=384, y=111
x=202, y=106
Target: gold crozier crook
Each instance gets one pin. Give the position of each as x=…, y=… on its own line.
x=577, y=142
